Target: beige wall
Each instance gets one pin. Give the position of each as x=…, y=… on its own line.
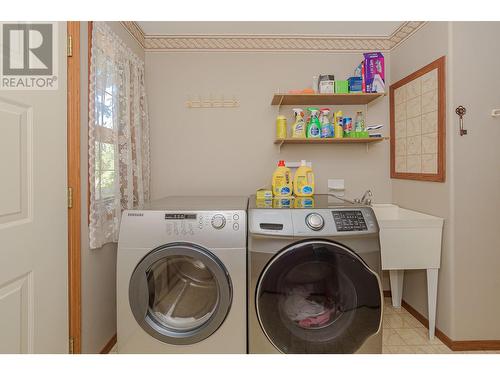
x=468, y=306
x=428, y=44
x=475, y=75
x=231, y=151
x=98, y=265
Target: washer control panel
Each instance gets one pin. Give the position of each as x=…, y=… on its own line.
x=345, y=221
x=349, y=221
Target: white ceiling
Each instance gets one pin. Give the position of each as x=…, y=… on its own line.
x=327, y=28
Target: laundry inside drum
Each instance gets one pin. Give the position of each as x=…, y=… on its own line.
x=310, y=296
x=183, y=292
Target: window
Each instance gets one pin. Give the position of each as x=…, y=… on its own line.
x=105, y=165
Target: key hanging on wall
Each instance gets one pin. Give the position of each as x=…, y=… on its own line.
x=460, y=111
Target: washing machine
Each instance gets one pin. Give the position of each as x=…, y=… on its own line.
x=181, y=277
x=314, y=277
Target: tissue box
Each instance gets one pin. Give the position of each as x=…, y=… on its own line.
x=326, y=84
x=374, y=72
x=326, y=87
x=355, y=84
x=341, y=87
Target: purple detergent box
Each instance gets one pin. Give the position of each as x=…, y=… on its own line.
x=374, y=72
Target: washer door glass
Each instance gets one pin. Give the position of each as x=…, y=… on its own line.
x=180, y=293
x=318, y=297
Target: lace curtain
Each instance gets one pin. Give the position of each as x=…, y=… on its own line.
x=118, y=134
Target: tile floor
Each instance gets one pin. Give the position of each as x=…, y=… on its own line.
x=403, y=334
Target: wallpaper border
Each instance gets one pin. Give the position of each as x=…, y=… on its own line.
x=271, y=43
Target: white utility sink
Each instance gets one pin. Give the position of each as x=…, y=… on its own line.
x=396, y=217
x=410, y=240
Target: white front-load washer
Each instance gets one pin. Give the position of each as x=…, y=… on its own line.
x=181, y=277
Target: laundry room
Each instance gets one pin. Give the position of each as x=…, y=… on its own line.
x=214, y=105
x=250, y=187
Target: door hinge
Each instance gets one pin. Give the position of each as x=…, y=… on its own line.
x=70, y=197
x=71, y=345
x=70, y=46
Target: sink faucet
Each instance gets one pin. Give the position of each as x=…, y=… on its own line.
x=366, y=198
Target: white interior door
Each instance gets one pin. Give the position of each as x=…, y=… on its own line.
x=33, y=217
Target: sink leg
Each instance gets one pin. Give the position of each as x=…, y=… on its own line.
x=432, y=286
x=396, y=278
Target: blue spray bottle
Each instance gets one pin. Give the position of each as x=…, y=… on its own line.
x=326, y=125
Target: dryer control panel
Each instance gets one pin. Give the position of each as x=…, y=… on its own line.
x=212, y=229
x=182, y=223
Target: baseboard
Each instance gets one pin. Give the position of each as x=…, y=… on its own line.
x=453, y=345
x=107, y=348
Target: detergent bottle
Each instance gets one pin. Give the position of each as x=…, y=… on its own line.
x=326, y=126
x=282, y=181
x=338, y=119
x=303, y=181
x=313, y=127
x=299, y=127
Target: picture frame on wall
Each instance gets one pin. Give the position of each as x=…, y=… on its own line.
x=418, y=124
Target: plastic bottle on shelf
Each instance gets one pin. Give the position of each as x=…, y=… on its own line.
x=299, y=126
x=313, y=127
x=303, y=181
x=339, y=130
x=360, y=130
x=326, y=126
x=281, y=128
x=282, y=181
x=359, y=124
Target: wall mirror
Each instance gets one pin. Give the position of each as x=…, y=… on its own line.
x=417, y=106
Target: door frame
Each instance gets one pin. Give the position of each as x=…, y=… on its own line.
x=74, y=190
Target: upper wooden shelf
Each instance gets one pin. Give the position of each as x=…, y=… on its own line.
x=324, y=99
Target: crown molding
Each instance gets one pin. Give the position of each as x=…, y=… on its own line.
x=404, y=32
x=136, y=31
x=271, y=43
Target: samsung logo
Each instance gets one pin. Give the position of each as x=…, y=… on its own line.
x=134, y=214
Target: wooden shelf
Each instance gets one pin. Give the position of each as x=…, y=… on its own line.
x=324, y=99
x=327, y=140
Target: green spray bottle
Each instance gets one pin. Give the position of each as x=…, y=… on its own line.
x=314, y=126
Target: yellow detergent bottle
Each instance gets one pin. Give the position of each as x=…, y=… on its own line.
x=303, y=182
x=282, y=180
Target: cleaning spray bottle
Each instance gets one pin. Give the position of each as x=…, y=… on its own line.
x=282, y=180
x=303, y=181
x=339, y=131
x=326, y=126
x=314, y=127
x=298, y=127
